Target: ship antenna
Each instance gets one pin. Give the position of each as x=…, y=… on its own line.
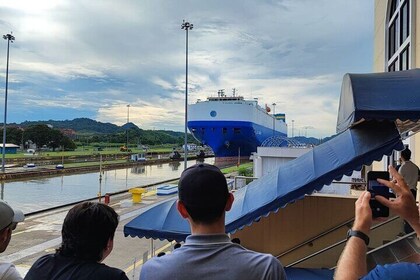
x=221, y=93
x=234, y=92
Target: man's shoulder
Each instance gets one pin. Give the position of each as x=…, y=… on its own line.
x=49, y=265
x=257, y=258
x=408, y=271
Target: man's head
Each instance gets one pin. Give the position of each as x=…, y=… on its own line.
x=204, y=193
x=8, y=220
x=88, y=231
x=406, y=154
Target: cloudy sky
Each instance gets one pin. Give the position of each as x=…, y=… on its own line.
x=80, y=58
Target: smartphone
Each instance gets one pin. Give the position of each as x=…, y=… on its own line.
x=376, y=188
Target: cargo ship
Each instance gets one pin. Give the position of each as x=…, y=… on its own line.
x=233, y=126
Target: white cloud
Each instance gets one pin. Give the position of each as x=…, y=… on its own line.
x=98, y=56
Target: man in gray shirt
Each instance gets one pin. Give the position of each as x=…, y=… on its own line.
x=208, y=252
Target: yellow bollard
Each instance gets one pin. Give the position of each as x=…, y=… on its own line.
x=136, y=193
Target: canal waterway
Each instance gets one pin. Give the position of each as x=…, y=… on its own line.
x=43, y=193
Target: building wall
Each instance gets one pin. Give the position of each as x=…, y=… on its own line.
x=298, y=222
x=268, y=159
x=379, y=60
x=9, y=150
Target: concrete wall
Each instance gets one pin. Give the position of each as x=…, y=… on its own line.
x=268, y=159
x=297, y=223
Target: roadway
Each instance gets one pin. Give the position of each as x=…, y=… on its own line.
x=40, y=234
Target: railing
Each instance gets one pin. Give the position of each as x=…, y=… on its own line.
x=316, y=237
x=336, y=244
x=386, y=245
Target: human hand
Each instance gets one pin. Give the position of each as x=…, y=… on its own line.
x=404, y=204
x=363, y=213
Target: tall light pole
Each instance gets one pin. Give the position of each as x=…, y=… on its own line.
x=9, y=38
x=186, y=26
x=126, y=129
x=274, y=119
x=293, y=128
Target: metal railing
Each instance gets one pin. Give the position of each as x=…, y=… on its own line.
x=337, y=243
x=306, y=242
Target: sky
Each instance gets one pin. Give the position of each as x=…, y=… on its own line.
x=75, y=58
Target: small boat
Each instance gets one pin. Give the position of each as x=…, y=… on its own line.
x=30, y=165
x=59, y=166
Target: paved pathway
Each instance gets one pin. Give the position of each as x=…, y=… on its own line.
x=41, y=234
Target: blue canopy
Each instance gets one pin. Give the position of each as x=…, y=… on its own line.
x=380, y=96
x=324, y=163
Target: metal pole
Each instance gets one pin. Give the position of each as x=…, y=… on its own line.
x=274, y=119
x=186, y=25
x=126, y=129
x=293, y=128
x=9, y=38
x=186, y=103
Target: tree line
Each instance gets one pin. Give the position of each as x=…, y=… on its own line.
x=138, y=136
x=44, y=135
x=41, y=135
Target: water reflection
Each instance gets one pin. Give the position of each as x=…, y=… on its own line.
x=175, y=165
x=138, y=169
x=36, y=194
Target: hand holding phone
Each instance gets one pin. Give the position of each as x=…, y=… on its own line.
x=376, y=188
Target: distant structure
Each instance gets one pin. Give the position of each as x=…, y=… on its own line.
x=10, y=148
x=281, y=141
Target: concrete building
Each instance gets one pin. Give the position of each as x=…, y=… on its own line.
x=270, y=158
x=397, y=48
x=10, y=148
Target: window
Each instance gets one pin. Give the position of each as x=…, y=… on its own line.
x=391, y=68
x=392, y=42
x=404, y=59
x=224, y=130
x=398, y=35
x=236, y=130
x=393, y=7
x=405, y=29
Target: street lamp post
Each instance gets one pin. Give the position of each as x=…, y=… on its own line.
x=10, y=38
x=274, y=119
x=126, y=129
x=186, y=26
x=293, y=128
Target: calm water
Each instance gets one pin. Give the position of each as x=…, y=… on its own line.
x=42, y=193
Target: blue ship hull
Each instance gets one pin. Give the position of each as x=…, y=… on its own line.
x=231, y=138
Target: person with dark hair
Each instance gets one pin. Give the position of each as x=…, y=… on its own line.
x=177, y=245
x=87, y=239
x=9, y=218
x=409, y=171
x=208, y=253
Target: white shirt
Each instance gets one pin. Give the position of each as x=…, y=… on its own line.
x=410, y=173
x=8, y=272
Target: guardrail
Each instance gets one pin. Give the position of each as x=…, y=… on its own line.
x=338, y=243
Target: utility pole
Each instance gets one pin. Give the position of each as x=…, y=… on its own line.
x=186, y=26
x=10, y=38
